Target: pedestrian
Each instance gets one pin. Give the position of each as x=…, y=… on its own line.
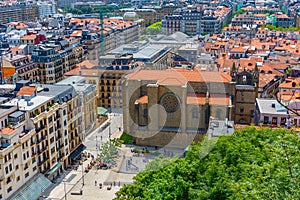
x=119, y=183
x=115, y=183
x=95, y=183
x=101, y=137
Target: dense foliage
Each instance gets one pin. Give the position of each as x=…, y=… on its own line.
x=153, y=29
x=93, y=9
x=250, y=164
x=276, y=28
x=126, y=138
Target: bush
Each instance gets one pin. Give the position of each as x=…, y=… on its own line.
x=127, y=139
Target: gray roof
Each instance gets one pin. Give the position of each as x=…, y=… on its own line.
x=61, y=93
x=72, y=80
x=150, y=51
x=270, y=106
x=78, y=82
x=220, y=127
x=17, y=114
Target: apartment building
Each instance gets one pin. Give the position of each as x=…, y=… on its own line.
x=116, y=32
x=149, y=15
x=55, y=58
x=88, y=96
x=19, y=67
x=171, y=23
x=241, y=19
x=107, y=77
x=46, y=9
x=54, y=113
x=18, y=12
x=18, y=155
x=268, y=112
x=193, y=21
x=285, y=21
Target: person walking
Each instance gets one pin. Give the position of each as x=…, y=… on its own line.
x=95, y=183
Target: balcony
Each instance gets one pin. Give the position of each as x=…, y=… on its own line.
x=44, y=148
x=42, y=161
x=40, y=128
x=59, y=136
x=60, y=146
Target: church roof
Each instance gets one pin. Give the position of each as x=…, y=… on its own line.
x=179, y=76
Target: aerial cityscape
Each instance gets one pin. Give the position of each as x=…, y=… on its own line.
x=158, y=99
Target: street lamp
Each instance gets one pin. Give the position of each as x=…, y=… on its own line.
x=82, y=175
x=65, y=188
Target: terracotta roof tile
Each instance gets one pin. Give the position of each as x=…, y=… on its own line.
x=143, y=99
x=27, y=91
x=8, y=131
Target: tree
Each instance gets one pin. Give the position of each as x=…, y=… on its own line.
x=253, y=163
x=153, y=29
x=109, y=150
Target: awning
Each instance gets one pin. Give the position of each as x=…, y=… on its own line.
x=77, y=152
x=54, y=168
x=101, y=111
x=34, y=189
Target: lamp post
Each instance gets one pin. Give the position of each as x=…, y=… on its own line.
x=82, y=176
x=65, y=188
x=96, y=145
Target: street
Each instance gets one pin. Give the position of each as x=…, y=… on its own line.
x=71, y=180
x=100, y=135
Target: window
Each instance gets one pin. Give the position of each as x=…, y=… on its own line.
x=195, y=113
x=9, y=189
x=283, y=121
x=242, y=109
x=27, y=174
x=34, y=169
x=17, y=167
x=145, y=112
x=266, y=120
x=16, y=156
x=18, y=178
x=274, y=120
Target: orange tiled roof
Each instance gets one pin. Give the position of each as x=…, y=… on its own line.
x=88, y=64
x=7, y=131
x=143, y=99
x=82, y=72
x=29, y=37
x=288, y=96
x=179, y=76
x=214, y=99
x=288, y=84
x=27, y=90
x=238, y=49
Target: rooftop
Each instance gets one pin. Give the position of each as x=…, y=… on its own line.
x=270, y=106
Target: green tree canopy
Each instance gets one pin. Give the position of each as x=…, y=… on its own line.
x=250, y=164
x=153, y=29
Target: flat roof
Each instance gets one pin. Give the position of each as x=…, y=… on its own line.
x=17, y=114
x=71, y=80
x=35, y=102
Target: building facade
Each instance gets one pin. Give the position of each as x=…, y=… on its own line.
x=173, y=107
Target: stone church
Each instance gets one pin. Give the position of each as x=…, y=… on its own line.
x=173, y=107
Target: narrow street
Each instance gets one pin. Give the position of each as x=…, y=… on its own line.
x=102, y=133
x=73, y=179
